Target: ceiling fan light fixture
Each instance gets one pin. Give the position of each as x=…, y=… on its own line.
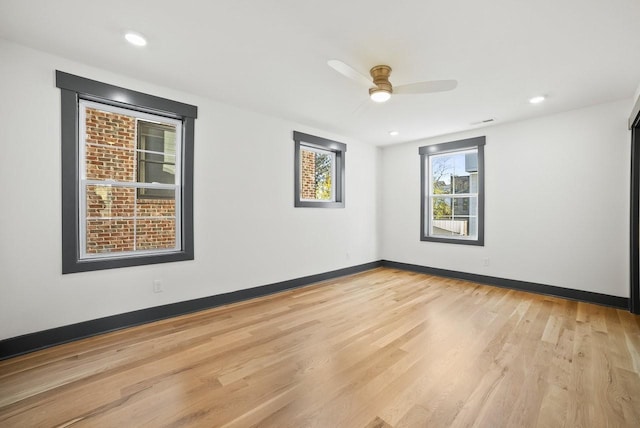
x=380, y=88
x=379, y=95
x=381, y=92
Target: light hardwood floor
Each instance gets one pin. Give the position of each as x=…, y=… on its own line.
x=383, y=348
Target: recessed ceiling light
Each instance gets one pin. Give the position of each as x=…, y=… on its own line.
x=537, y=100
x=394, y=133
x=135, y=39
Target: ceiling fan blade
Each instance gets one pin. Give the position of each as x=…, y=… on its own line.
x=426, y=87
x=348, y=71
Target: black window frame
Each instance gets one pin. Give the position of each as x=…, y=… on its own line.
x=339, y=149
x=451, y=147
x=74, y=88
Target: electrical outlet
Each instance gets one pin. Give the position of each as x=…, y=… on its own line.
x=157, y=286
x=485, y=261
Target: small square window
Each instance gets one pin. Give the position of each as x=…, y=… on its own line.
x=319, y=172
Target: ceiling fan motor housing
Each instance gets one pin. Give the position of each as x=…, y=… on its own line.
x=380, y=75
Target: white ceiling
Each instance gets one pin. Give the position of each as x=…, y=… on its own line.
x=271, y=55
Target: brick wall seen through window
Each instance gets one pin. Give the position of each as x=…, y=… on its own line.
x=117, y=218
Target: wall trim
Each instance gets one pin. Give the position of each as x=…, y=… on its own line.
x=549, y=290
x=634, y=226
x=31, y=342
x=635, y=114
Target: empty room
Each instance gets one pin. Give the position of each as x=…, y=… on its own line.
x=358, y=214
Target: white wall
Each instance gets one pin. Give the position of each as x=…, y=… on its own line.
x=557, y=202
x=557, y=195
x=247, y=232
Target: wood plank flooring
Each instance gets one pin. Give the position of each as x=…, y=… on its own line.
x=384, y=349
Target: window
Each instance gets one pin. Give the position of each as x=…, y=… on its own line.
x=129, y=194
x=319, y=172
x=452, y=188
x=127, y=177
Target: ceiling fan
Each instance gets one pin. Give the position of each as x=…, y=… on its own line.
x=380, y=89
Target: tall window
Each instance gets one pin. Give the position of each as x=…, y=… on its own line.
x=127, y=176
x=319, y=176
x=129, y=189
x=452, y=183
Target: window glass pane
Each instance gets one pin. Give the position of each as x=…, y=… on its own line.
x=109, y=236
x=109, y=145
x=157, y=137
x=109, y=201
x=453, y=217
x=472, y=226
x=156, y=153
x=473, y=206
x=442, y=208
x=317, y=174
x=146, y=192
x=465, y=206
x=155, y=233
x=110, y=129
x=454, y=226
x=460, y=184
x=452, y=173
x=324, y=176
x=151, y=170
x=157, y=207
x=109, y=163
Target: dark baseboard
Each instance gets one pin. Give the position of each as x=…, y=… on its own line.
x=550, y=290
x=43, y=339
